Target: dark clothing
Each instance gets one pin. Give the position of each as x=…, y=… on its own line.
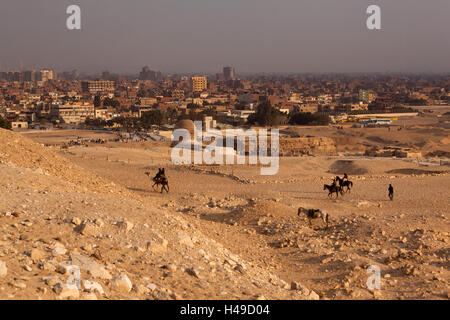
x=159, y=174
x=391, y=192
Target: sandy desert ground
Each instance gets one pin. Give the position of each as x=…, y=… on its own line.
x=224, y=232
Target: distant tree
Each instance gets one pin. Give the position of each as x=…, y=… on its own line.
x=97, y=101
x=111, y=102
x=193, y=106
x=266, y=115
x=146, y=93
x=308, y=118
x=240, y=106
x=5, y=124
x=124, y=122
x=195, y=116
x=171, y=115
x=95, y=122
x=153, y=117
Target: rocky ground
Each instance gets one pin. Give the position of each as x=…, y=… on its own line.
x=221, y=232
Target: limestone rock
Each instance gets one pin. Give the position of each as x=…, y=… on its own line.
x=3, y=269
x=185, y=239
x=59, y=250
x=313, y=296
x=76, y=221
x=156, y=247
x=151, y=286
x=125, y=225
x=93, y=268
x=99, y=222
x=141, y=289
x=122, y=283
x=65, y=292
x=91, y=286
x=90, y=296
x=193, y=272
x=86, y=229
x=36, y=254
x=51, y=281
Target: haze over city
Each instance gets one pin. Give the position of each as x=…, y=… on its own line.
x=201, y=36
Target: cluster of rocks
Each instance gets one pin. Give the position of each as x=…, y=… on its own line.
x=308, y=146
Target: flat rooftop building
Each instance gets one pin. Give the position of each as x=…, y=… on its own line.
x=97, y=86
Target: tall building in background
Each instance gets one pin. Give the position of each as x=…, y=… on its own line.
x=147, y=74
x=199, y=83
x=97, y=86
x=48, y=74
x=29, y=76
x=228, y=73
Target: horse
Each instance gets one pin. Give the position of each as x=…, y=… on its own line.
x=314, y=214
x=344, y=183
x=159, y=180
x=332, y=189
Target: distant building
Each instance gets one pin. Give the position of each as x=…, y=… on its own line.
x=138, y=111
x=19, y=125
x=104, y=114
x=73, y=114
x=148, y=101
x=147, y=74
x=199, y=83
x=385, y=104
x=209, y=123
x=29, y=76
x=366, y=96
x=47, y=75
x=178, y=94
x=97, y=86
x=228, y=73
x=310, y=107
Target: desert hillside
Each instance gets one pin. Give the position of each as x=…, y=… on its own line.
x=222, y=232
x=54, y=214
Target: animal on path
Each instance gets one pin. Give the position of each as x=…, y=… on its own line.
x=334, y=188
x=314, y=214
x=159, y=179
x=344, y=183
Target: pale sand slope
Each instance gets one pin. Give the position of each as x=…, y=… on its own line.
x=255, y=217
x=127, y=245
x=224, y=211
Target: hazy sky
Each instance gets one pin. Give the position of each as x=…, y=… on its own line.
x=204, y=35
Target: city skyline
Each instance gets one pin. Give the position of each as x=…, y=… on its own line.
x=200, y=36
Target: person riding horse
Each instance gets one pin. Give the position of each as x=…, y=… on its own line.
x=161, y=179
x=159, y=174
x=333, y=188
x=343, y=182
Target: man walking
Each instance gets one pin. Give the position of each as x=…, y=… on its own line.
x=391, y=192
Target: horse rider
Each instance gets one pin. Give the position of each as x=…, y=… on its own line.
x=159, y=174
